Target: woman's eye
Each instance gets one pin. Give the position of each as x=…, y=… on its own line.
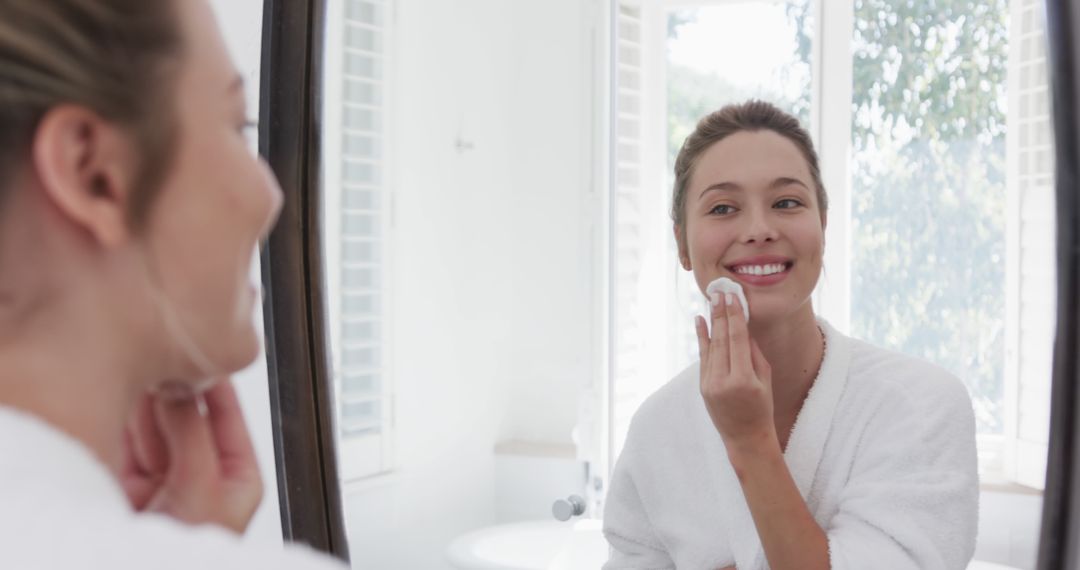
x=722, y=209
x=249, y=131
x=787, y=204
x=247, y=125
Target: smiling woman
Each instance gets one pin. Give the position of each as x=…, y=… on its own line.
x=131, y=208
x=822, y=451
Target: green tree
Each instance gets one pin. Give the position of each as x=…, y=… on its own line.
x=928, y=186
x=677, y=19
x=692, y=94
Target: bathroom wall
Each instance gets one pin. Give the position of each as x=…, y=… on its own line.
x=555, y=206
x=529, y=478
x=490, y=317
x=1009, y=526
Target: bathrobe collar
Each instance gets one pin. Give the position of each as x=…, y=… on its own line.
x=38, y=458
x=814, y=421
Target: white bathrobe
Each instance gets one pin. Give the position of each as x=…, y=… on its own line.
x=883, y=452
x=60, y=508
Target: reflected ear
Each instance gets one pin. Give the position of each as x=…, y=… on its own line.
x=684, y=251
x=85, y=165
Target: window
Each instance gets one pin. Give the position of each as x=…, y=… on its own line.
x=936, y=96
x=928, y=189
x=357, y=233
x=628, y=317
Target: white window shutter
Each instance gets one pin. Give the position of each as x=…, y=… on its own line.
x=628, y=336
x=363, y=387
x=1031, y=271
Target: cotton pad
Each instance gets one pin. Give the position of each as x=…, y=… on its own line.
x=724, y=285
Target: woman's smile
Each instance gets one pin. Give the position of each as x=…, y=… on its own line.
x=761, y=270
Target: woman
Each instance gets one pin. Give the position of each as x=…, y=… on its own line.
x=789, y=445
x=130, y=207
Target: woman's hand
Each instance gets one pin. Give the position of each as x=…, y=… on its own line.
x=193, y=459
x=736, y=380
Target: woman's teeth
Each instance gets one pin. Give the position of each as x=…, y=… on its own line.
x=761, y=269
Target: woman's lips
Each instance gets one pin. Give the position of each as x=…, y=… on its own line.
x=761, y=280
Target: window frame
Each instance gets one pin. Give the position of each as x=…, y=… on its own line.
x=301, y=398
x=1058, y=547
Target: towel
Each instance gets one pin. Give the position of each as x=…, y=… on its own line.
x=883, y=452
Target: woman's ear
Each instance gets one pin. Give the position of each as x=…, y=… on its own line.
x=684, y=251
x=86, y=167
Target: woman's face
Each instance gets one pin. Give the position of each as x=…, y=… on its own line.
x=217, y=201
x=752, y=215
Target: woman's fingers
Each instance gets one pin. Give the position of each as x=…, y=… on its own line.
x=738, y=338
x=148, y=445
x=736, y=391
x=702, y=330
x=236, y=454
x=192, y=457
x=139, y=485
x=719, y=359
x=209, y=471
x=241, y=483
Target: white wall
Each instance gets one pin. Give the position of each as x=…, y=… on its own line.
x=1009, y=525
x=490, y=322
x=241, y=23
x=548, y=261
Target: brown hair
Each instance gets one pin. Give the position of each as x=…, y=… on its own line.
x=749, y=116
x=110, y=56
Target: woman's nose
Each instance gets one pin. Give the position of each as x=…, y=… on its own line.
x=274, y=194
x=759, y=227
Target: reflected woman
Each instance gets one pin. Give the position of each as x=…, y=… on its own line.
x=130, y=207
x=789, y=445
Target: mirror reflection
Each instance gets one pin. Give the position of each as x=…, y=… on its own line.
x=519, y=235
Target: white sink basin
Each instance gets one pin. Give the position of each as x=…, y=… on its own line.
x=531, y=545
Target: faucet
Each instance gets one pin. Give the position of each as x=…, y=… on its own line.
x=565, y=509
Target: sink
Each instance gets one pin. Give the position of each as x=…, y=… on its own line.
x=531, y=545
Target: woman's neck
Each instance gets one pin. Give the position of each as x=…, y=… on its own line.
x=67, y=357
x=795, y=348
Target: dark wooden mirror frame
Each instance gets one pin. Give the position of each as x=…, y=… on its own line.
x=294, y=307
x=1061, y=499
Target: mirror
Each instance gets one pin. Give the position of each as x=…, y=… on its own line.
x=504, y=290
